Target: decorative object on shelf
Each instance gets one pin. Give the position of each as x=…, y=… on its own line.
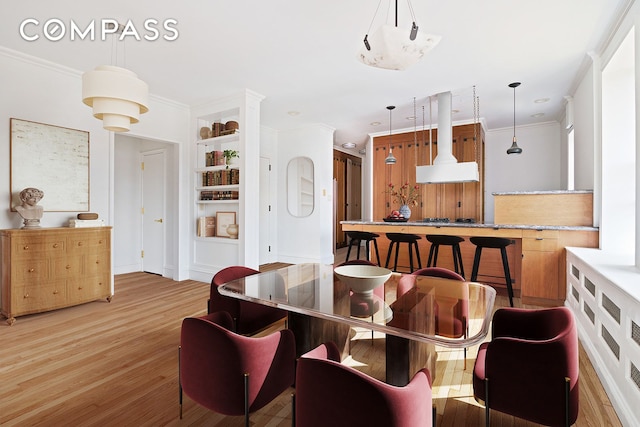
x=117, y=95
x=216, y=129
x=29, y=210
x=390, y=160
x=206, y=226
x=231, y=125
x=205, y=132
x=393, y=48
x=229, y=155
x=223, y=221
x=514, y=149
x=405, y=211
x=232, y=230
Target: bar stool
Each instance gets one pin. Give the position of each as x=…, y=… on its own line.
x=411, y=240
x=495, y=243
x=453, y=241
x=357, y=237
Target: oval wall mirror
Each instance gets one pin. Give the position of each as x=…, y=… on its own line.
x=300, y=193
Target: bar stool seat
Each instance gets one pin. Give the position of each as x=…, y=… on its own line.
x=357, y=237
x=493, y=243
x=411, y=240
x=454, y=241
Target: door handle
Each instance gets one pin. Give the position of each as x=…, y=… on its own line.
x=158, y=220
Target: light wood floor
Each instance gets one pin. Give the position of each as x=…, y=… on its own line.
x=115, y=364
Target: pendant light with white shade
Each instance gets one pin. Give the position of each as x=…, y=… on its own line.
x=116, y=94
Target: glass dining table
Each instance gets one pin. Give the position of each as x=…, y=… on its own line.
x=429, y=312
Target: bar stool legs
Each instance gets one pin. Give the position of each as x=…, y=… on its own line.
x=454, y=242
x=356, y=237
x=411, y=240
x=496, y=243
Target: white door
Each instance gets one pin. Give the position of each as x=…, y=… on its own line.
x=265, y=211
x=153, y=200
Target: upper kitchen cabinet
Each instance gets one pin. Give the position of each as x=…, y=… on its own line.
x=454, y=201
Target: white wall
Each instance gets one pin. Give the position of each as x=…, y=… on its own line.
x=537, y=168
x=583, y=104
x=308, y=239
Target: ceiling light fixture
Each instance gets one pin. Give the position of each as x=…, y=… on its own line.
x=393, y=48
x=349, y=145
x=117, y=95
x=514, y=149
x=390, y=160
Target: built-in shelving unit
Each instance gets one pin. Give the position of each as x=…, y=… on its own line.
x=225, y=194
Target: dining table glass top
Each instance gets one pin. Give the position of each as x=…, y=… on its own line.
x=445, y=312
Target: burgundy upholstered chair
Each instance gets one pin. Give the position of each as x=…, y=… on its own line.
x=530, y=368
x=329, y=393
x=248, y=317
x=451, y=311
x=229, y=373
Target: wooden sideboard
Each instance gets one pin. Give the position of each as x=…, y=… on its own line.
x=536, y=257
x=49, y=268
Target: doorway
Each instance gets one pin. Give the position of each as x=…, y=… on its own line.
x=153, y=214
x=347, y=174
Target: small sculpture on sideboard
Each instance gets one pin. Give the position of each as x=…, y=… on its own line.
x=29, y=210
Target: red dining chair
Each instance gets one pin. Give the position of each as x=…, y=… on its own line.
x=249, y=318
x=451, y=311
x=530, y=367
x=329, y=393
x=229, y=373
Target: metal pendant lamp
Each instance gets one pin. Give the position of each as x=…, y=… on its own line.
x=390, y=160
x=514, y=149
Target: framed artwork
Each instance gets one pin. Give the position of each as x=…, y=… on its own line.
x=52, y=159
x=223, y=220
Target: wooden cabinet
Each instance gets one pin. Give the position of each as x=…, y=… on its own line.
x=454, y=200
x=51, y=268
x=543, y=262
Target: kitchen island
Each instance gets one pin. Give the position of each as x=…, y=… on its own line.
x=536, y=259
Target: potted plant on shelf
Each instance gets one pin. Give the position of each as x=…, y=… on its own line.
x=229, y=155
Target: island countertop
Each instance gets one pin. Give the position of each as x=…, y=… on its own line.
x=398, y=225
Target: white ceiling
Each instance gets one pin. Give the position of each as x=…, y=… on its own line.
x=301, y=55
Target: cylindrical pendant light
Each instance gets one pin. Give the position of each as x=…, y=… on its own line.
x=514, y=149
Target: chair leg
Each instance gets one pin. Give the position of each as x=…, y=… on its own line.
x=431, y=253
x=395, y=263
x=476, y=264
x=433, y=415
x=359, y=244
x=367, y=252
x=457, y=253
x=507, y=276
x=386, y=265
x=418, y=255
x=293, y=410
x=246, y=400
x=375, y=246
x=179, y=383
x=487, y=419
x=349, y=249
x=567, y=388
x=411, y=257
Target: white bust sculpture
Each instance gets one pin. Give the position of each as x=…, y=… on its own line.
x=29, y=209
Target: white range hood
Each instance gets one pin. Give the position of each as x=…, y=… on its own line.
x=445, y=167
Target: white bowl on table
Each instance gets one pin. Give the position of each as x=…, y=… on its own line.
x=362, y=279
